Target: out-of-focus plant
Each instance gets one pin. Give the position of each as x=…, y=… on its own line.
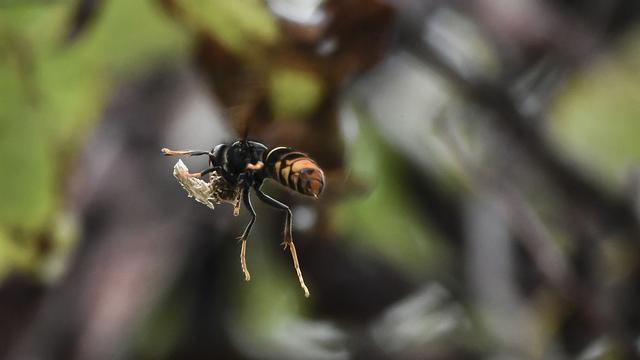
x=597, y=116
x=385, y=219
x=52, y=93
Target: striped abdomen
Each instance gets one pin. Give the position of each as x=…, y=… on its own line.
x=295, y=170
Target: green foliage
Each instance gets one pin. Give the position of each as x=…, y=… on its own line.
x=293, y=93
x=385, y=220
x=15, y=254
x=51, y=95
x=597, y=117
x=240, y=24
x=27, y=182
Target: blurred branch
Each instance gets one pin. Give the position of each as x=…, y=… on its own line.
x=611, y=211
x=588, y=202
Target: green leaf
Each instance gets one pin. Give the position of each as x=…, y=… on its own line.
x=293, y=93
x=51, y=95
x=597, y=116
x=239, y=24
x=384, y=220
x=27, y=182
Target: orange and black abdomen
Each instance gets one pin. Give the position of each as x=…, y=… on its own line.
x=295, y=170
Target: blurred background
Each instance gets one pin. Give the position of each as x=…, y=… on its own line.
x=482, y=198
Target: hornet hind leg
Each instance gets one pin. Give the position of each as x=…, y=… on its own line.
x=245, y=234
x=288, y=237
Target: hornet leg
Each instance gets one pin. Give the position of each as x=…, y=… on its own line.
x=169, y=152
x=288, y=237
x=205, y=172
x=245, y=234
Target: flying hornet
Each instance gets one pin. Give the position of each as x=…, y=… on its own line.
x=237, y=169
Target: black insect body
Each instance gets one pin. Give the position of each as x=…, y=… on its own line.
x=245, y=165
